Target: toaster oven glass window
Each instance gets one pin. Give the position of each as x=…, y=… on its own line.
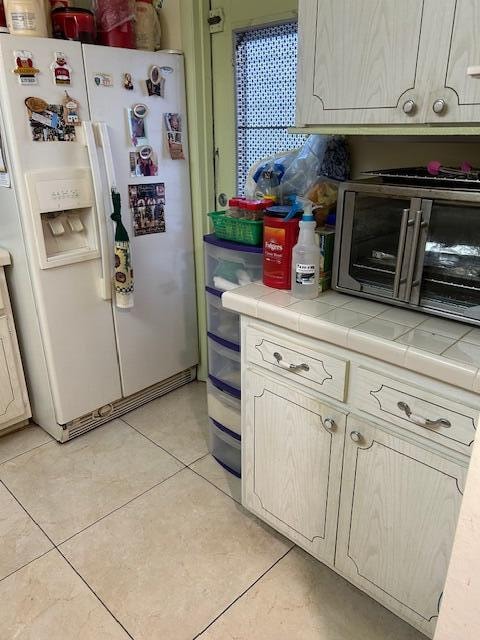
x=451, y=273
x=375, y=239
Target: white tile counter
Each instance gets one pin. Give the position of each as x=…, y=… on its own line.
x=441, y=349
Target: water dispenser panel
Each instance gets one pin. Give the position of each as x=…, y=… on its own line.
x=55, y=195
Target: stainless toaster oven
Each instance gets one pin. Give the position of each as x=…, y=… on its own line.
x=414, y=247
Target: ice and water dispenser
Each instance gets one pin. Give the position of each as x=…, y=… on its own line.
x=64, y=216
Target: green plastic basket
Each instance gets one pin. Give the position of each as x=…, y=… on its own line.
x=237, y=229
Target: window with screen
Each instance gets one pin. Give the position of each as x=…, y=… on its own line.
x=265, y=71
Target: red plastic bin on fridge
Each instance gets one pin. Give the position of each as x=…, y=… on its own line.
x=121, y=36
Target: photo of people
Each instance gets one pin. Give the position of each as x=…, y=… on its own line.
x=173, y=126
x=138, y=128
x=49, y=125
x=147, y=205
x=143, y=164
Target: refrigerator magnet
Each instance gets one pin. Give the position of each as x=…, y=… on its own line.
x=25, y=71
x=156, y=82
x=127, y=81
x=143, y=163
x=47, y=122
x=147, y=207
x=71, y=110
x=62, y=72
x=103, y=79
x=137, y=124
x=173, y=126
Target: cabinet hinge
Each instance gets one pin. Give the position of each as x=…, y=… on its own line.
x=216, y=19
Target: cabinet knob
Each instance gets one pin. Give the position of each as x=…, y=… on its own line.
x=409, y=107
x=356, y=436
x=329, y=424
x=439, y=105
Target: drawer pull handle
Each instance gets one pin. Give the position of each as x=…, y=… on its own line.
x=423, y=422
x=290, y=367
x=329, y=424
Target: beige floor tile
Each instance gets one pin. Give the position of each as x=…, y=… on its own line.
x=21, y=540
x=48, y=601
x=177, y=422
x=301, y=599
x=210, y=469
x=170, y=562
x=66, y=487
x=18, y=442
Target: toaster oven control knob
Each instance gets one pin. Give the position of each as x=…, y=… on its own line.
x=439, y=106
x=409, y=107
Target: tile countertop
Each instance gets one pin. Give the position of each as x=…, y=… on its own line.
x=442, y=349
x=4, y=257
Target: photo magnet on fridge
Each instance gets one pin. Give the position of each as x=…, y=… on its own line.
x=26, y=72
x=173, y=126
x=47, y=122
x=156, y=82
x=103, y=79
x=137, y=124
x=127, y=81
x=143, y=163
x=62, y=72
x=147, y=206
x=71, y=108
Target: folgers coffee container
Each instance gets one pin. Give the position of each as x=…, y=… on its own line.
x=279, y=238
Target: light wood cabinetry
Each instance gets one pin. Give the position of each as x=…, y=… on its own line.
x=292, y=459
x=388, y=62
x=397, y=520
x=14, y=405
x=371, y=484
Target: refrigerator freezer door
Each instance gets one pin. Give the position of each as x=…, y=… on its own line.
x=157, y=337
x=76, y=324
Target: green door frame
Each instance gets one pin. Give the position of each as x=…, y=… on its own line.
x=197, y=51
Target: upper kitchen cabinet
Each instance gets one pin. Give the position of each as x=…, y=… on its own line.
x=386, y=62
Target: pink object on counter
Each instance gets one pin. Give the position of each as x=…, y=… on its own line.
x=433, y=167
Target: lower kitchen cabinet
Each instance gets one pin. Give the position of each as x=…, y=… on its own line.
x=292, y=446
x=397, y=520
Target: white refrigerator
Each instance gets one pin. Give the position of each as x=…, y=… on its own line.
x=76, y=121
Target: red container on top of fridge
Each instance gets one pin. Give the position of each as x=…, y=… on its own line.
x=115, y=23
x=279, y=238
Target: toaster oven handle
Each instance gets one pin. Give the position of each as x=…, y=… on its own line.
x=417, y=225
x=400, y=250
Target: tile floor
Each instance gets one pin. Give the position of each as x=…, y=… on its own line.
x=134, y=531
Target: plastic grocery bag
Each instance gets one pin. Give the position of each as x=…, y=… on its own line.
x=110, y=14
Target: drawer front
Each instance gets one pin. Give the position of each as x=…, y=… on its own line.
x=308, y=367
x=422, y=412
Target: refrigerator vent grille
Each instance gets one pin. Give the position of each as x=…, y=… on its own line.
x=86, y=423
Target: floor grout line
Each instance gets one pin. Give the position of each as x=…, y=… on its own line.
x=243, y=593
x=28, y=563
x=216, y=487
x=27, y=451
x=155, y=443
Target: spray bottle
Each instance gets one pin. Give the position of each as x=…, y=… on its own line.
x=306, y=258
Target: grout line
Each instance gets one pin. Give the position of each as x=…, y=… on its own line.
x=95, y=594
x=51, y=441
x=153, y=441
x=27, y=563
x=120, y=507
x=216, y=487
x=197, y=459
x=243, y=593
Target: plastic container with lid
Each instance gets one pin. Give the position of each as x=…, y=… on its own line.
x=279, y=238
x=255, y=209
x=235, y=207
x=26, y=17
x=229, y=265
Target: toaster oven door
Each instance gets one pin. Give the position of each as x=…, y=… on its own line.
x=379, y=234
x=448, y=264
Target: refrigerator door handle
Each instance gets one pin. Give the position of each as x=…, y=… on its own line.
x=106, y=279
x=107, y=155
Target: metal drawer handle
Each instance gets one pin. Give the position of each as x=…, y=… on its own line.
x=423, y=422
x=290, y=367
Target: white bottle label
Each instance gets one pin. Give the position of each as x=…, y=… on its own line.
x=305, y=273
x=23, y=21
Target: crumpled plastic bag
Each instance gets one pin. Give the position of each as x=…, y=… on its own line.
x=110, y=14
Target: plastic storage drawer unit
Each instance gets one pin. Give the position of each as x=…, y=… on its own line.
x=229, y=265
x=226, y=447
x=224, y=408
x=224, y=365
x=221, y=322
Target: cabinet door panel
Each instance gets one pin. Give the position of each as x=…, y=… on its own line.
x=358, y=60
x=398, y=514
x=11, y=399
x=462, y=90
x=291, y=463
